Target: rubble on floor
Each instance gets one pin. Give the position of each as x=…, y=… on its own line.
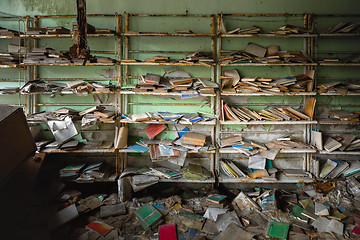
x=325, y=210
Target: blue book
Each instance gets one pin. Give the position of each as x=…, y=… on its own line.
x=138, y=148
x=242, y=146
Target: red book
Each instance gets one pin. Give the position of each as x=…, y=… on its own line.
x=99, y=227
x=167, y=232
x=355, y=230
x=154, y=129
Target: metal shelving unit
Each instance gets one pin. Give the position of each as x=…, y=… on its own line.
x=299, y=128
x=139, y=43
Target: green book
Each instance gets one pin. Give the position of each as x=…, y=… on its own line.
x=148, y=216
x=296, y=212
x=216, y=198
x=278, y=230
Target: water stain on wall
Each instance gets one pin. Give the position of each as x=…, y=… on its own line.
x=50, y=6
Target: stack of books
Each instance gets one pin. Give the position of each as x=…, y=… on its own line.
x=231, y=170
x=269, y=114
x=232, y=82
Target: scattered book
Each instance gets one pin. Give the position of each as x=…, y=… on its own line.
x=216, y=198
x=278, y=230
x=148, y=216
x=99, y=227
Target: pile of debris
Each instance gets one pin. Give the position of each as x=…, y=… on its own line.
x=325, y=210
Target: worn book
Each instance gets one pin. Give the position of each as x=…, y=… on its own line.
x=148, y=216
x=152, y=130
x=344, y=115
x=327, y=168
x=216, y=198
x=309, y=107
x=341, y=167
x=331, y=144
x=192, y=138
x=167, y=232
x=138, y=117
x=256, y=50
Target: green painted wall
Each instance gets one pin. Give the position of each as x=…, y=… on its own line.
x=33, y=7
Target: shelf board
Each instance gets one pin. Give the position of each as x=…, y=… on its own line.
x=5, y=37
x=126, y=150
x=161, y=94
x=339, y=152
x=306, y=150
x=268, y=94
x=266, y=64
x=95, y=150
x=340, y=64
x=253, y=122
x=63, y=93
x=338, y=94
x=271, y=35
x=67, y=64
x=184, y=180
x=167, y=35
x=9, y=65
x=92, y=181
x=339, y=34
x=211, y=122
x=66, y=35
x=163, y=64
x=336, y=122
x=281, y=179
x=30, y=122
